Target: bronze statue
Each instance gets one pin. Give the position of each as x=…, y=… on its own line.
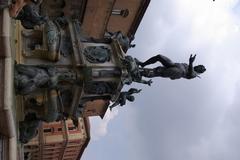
x=28, y=127
x=29, y=17
x=170, y=69
x=56, y=40
x=134, y=73
x=28, y=79
x=124, y=96
x=123, y=40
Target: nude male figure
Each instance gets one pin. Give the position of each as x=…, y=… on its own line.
x=170, y=69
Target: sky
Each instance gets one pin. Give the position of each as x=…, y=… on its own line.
x=180, y=119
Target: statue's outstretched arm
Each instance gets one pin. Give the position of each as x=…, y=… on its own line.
x=190, y=66
x=149, y=82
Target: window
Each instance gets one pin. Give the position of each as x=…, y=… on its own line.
x=121, y=12
x=71, y=128
x=47, y=130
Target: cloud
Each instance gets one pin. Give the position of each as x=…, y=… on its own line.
x=99, y=126
x=223, y=142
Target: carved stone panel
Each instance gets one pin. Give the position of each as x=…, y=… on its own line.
x=97, y=54
x=99, y=88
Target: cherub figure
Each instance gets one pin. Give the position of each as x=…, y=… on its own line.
x=124, y=96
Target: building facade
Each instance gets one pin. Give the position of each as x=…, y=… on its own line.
x=101, y=16
x=59, y=141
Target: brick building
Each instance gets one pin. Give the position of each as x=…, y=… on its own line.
x=59, y=141
x=98, y=16
x=113, y=15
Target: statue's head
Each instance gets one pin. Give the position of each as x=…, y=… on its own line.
x=131, y=98
x=199, y=69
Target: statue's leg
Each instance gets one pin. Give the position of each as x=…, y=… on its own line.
x=160, y=72
x=166, y=62
x=147, y=72
x=171, y=72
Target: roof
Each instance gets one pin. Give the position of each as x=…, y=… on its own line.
x=138, y=17
x=105, y=109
